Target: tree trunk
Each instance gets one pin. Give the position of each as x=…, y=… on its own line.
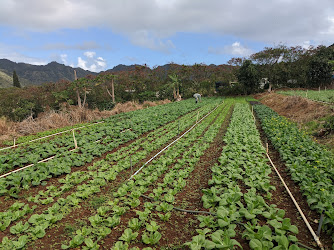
x=75, y=76
x=84, y=101
x=79, y=99
x=269, y=89
x=78, y=94
x=112, y=90
x=108, y=92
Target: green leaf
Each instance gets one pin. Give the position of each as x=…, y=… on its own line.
x=38, y=232
x=152, y=227
x=255, y=244
x=292, y=238
x=223, y=223
x=89, y=242
x=294, y=247
x=282, y=241
x=19, y=228
x=6, y=222
x=121, y=246
x=77, y=241
x=21, y=242
x=152, y=238
x=128, y=235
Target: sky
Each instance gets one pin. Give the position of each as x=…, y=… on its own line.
x=98, y=35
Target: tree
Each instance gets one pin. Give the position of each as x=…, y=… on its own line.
x=320, y=71
x=176, y=86
x=16, y=82
x=320, y=66
x=248, y=76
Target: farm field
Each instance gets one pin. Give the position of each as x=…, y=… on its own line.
x=179, y=175
x=322, y=95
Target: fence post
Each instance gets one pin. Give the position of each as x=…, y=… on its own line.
x=75, y=141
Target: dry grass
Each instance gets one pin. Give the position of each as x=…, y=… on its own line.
x=7, y=129
x=302, y=111
x=298, y=109
x=69, y=115
x=132, y=106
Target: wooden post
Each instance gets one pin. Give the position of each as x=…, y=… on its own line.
x=306, y=93
x=14, y=142
x=319, y=88
x=75, y=141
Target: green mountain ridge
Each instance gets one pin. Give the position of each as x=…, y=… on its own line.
x=37, y=74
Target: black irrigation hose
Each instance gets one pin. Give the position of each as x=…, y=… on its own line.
x=214, y=214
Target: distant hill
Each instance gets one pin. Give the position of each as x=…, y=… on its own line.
x=37, y=74
x=5, y=80
x=122, y=67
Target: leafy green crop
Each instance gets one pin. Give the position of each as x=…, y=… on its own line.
x=310, y=165
x=242, y=161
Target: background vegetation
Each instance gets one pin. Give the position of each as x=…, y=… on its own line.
x=280, y=66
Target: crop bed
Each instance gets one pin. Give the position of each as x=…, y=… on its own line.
x=122, y=188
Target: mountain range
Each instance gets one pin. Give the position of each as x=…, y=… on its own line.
x=38, y=74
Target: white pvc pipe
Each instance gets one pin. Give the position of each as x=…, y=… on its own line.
x=316, y=238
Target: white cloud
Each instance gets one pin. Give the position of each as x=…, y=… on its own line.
x=131, y=59
x=143, y=38
x=91, y=63
x=266, y=21
x=306, y=44
x=90, y=54
x=86, y=45
x=236, y=49
x=11, y=53
x=63, y=58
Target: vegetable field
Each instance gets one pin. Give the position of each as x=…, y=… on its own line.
x=175, y=176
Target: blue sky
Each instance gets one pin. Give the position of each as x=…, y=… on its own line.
x=98, y=35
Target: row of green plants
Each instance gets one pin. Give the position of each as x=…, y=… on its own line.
x=239, y=195
x=98, y=175
x=36, y=175
x=40, y=175
x=176, y=164
x=323, y=95
x=139, y=121
x=310, y=164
